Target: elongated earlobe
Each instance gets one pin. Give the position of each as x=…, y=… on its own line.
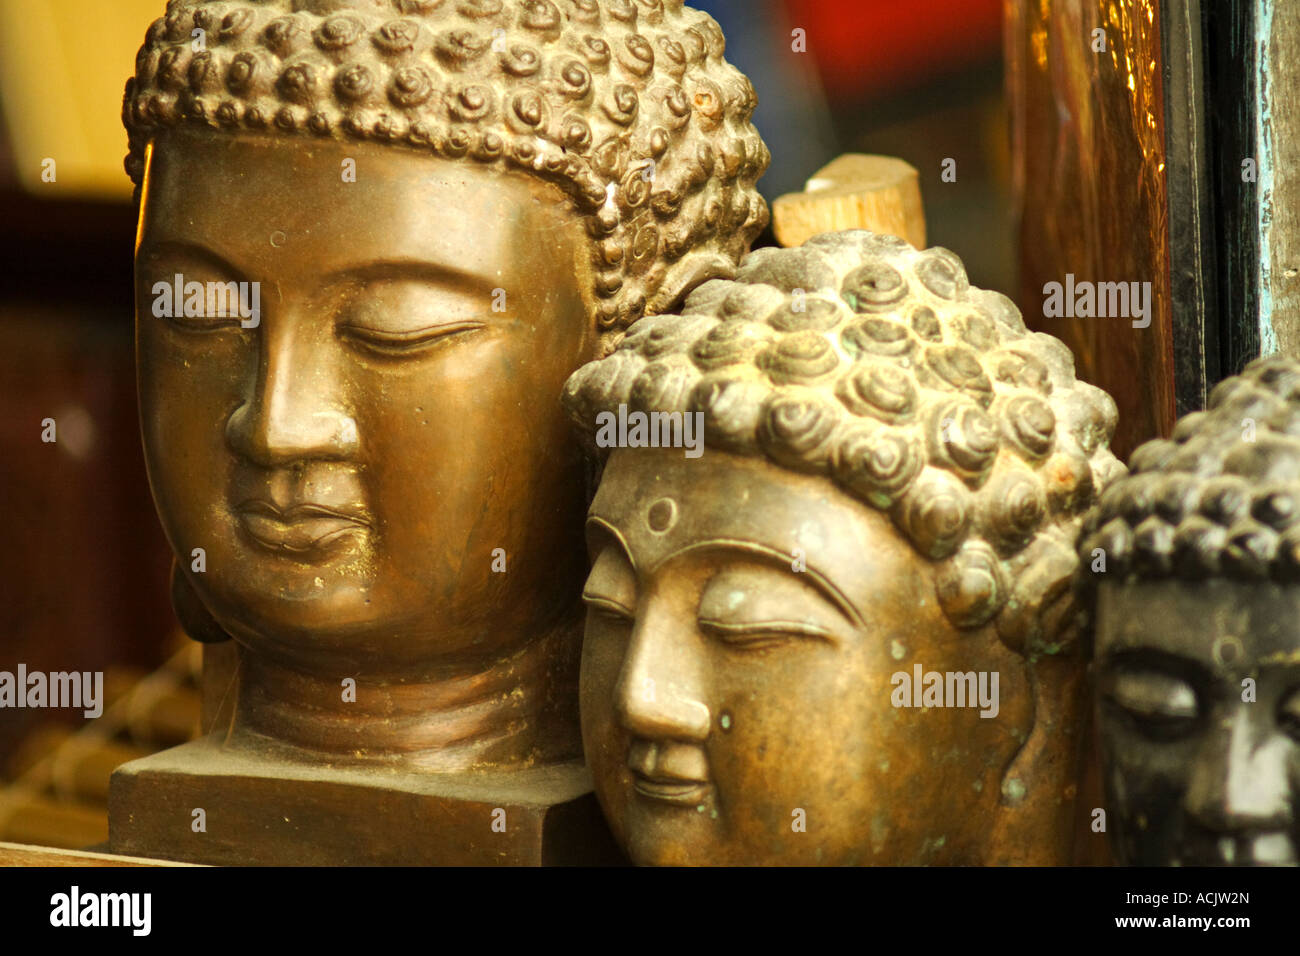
x=195, y=620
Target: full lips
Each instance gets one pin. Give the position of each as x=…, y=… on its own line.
x=683, y=792
x=668, y=771
x=301, y=529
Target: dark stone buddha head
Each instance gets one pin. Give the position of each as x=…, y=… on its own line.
x=1190, y=574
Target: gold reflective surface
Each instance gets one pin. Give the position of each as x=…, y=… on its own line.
x=1089, y=178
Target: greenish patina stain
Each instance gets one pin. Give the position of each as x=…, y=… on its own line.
x=879, y=831
x=931, y=846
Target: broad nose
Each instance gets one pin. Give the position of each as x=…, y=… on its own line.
x=1239, y=777
x=296, y=410
x=660, y=694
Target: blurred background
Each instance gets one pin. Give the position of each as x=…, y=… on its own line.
x=83, y=574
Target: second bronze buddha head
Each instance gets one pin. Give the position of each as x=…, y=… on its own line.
x=893, y=474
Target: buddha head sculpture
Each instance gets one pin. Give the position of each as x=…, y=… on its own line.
x=838, y=630
x=1190, y=578
x=430, y=212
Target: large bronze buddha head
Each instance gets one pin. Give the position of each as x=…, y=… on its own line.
x=1190, y=574
x=892, y=476
x=443, y=208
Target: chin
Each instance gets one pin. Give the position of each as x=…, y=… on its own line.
x=653, y=852
x=678, y=837
x=304, y=617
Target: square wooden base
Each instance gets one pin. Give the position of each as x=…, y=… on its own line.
x=265, y=804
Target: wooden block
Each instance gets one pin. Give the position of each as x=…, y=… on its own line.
x=70, y=766
x=82, y=768
x=36, y=818
x=856, y=191
x=15, y=854
x=35, y=748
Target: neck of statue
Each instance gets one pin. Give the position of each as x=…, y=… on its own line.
x=511, y=713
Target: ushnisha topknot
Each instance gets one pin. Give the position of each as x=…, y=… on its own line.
x=1220, y=499
x=627, y=105
x=862, y=359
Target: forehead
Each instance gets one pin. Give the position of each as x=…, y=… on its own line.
x=661, y=503
x=1196, y=620
x=275, y=201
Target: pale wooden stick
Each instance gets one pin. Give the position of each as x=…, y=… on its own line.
x=879, y=193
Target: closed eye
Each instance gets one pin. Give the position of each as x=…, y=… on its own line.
x=205, y=324
x=397, y=343
x=756, y=635
x=608, y=607
x=1161, y=706
x=221, y=306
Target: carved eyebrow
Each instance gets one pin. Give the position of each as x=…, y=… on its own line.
x=416, y=270
x=596, y=523
x=614, y=548
x=766, y=555
x=195, y=250
x=779, y=560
